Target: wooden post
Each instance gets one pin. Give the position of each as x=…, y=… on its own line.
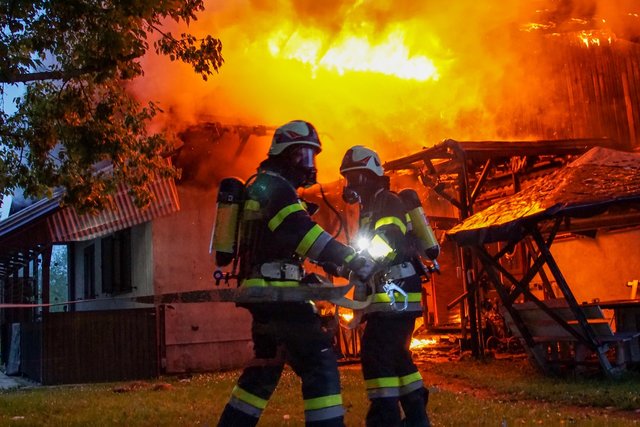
x=573, y=304
x=46, y=277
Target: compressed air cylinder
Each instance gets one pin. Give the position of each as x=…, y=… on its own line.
x=225, y=230
x=420, y=224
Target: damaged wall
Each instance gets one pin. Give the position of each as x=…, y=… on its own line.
x=599, y=267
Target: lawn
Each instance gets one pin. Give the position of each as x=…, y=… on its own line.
x=465, y=392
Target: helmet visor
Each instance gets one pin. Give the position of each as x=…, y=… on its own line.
x=302, y=161
x=303, y=157
x=357, y=179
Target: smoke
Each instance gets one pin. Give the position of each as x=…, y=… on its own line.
x=283, y=62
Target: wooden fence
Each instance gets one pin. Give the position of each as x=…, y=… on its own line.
x=92, y=346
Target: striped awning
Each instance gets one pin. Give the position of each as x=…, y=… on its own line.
x=66, y=225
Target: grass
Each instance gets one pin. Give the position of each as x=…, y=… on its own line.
x=518, y=378
x=505, y=393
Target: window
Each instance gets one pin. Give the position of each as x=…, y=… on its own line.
x=89, y=272
x=116, y=262
x=59, y=277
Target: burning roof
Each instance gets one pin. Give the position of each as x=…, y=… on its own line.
x=596, y=181
x=397, y=76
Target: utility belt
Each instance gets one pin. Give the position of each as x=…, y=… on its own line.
x=400, y=271
x=286, y=282
x=274, y=274
x=280, y=271
x=389, y=297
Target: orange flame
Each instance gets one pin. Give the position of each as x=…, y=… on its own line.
x=595, y=38
x=354, y=53
x=347, y=316
x=417, y=343
x=395, y=76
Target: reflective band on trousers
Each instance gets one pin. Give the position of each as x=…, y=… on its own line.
x=376, y=393
x=388, y=220
x=282, y=214
x=322, y=402
x=241, y=406
x=260, y=282
x=323, y=408
x=315, y=415
x=393, y=386
x=247, y=402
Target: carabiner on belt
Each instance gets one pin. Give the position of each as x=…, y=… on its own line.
x=390, y=289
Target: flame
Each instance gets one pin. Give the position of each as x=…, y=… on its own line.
x=395, y=76
x=354, y=53
x=595, y=38
x=417, y=343
x=347, y=316
x=536, y=26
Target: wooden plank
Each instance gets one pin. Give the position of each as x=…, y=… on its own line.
x=95, y=346
x=541, y=324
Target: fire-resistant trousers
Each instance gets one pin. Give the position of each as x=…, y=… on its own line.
x=391, y=377
x=299, y=340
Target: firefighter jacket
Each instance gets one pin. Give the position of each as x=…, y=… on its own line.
x=383, y=221
x=277, y=234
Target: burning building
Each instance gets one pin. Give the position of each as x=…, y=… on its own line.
x=404, y=77
x=399, y=77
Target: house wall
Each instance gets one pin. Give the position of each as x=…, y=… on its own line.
x=141, y=271
x=198, y=336
x=600, y=267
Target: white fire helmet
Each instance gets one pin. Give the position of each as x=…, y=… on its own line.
x=359, y=157
x=296, y=132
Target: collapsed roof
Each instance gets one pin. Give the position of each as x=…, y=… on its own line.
x=596, y=181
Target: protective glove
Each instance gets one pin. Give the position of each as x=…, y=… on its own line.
x=363, y=267
x=335, y=270
x=311, y=207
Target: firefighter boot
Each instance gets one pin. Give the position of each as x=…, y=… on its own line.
x=414, y=406
x=383, y=412
x=231, y=417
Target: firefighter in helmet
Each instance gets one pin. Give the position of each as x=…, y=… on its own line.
x=277, y=234
x=392, y=379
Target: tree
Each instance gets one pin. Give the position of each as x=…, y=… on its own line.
x=76, y=126
x=58, y=277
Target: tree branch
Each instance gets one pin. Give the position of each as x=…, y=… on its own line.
x=43, y=75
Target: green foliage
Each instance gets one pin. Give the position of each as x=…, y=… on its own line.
x=200, y=400
x=59, y=277
x=76, y=126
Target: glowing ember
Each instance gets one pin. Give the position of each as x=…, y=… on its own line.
x=535, y=26
x=595, y=38
x=355, y=53
x=421, y=343
x=347, y=316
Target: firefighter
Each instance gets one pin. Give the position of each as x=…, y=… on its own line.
x=392, y=379
x=277, y=234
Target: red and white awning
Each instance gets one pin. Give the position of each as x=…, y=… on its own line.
x=66, y=225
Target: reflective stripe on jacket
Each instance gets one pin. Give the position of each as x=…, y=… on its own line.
x=384, y=222
x=276, y=228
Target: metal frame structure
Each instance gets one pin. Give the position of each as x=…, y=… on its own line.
x=472, y=175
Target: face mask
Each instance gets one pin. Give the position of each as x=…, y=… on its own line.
x=357, y=186
x=350, y=196
x=302, y=166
